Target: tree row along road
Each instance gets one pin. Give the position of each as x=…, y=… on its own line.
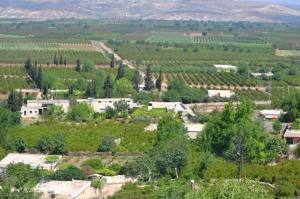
x=97, y=66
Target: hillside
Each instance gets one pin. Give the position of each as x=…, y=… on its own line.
x=231, y=10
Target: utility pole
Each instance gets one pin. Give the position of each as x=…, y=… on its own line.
x=240, y=156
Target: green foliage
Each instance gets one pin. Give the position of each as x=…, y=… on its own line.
x=88, y=66
x=224, y=129
x=55, y=144
x=148, y=79
x=291, y=105
x=121, y=72
x=19, y=145
x=86, y=137
x=137, y=80
x=52, y=158
x=107, y=144
x=81, y=112
x=14, y=102
x=232, y=189
x=123, y=88
x=108, y=87
x=142, y=97
x=98, y=183
x=159, y=81
x=54, y=112
x=68, y=174
x=95, y=164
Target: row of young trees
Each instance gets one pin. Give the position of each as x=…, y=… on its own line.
x=59, y=61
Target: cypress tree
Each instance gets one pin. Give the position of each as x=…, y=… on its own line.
x=70, y=89
x=65, y=62
x=78, y=67
x=28, y=64
x=46, y=91
x=60, y=60
x=121, y=72
x=159, y=81
x=39, y=81
x=88, y=92
x=148, y=79
x=136, y=80
x=112, y=61
x=108, y=87
x=55, y=61
x=14, y=102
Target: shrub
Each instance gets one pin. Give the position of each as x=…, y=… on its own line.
x=88, y=66
x=107, y=144
x=81, y=112
x=20, y=145
x=94, y=163
x=68, y=174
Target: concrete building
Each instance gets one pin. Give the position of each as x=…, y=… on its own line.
x=34, y=160
x=75, y=189
x=194, y=129
x=271, y=114
x=35, y=108
x=220, y=93
x=100, y=105
x=292, y=136
x=226, y=68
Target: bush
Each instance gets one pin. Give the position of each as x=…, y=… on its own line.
x=107, y=144
x=55, y=145
x=81, y=112
x=68, y=174
x=20, y=145
x=88, y=66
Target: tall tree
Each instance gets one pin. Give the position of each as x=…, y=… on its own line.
x=55, y=60
x=148, y=79
x=14, y=102
x=65, y=61
x=137, y=80
x=28, y=64
x=108, y=87
x=159, y=81
x=46, y=91
x=78, y=66
x=121, y=72
x=40, y=78
x=60, y=60
x=112, y=61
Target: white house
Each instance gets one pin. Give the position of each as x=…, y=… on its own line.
x=226, y=68
x=34, y=160
x=75, y=189
x=194, y=129
x=269, y=74
x=35, y=108
x=271, y=114
x=100, y=105
x=220, y=93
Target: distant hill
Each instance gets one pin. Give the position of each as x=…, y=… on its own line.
x=225, y=10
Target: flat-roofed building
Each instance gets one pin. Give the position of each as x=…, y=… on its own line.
x=35, y=108
x=271, y=114
x=170, y=106
x=34, y=160
x=75, y=189
x=292, y=136
x=226, y=68
x=193, y=129
x=100, y=105
x=269, y=74
x=220, y=93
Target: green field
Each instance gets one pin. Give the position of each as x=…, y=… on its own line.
x=87, y=137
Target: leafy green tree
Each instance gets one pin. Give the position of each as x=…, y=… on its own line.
x=137, y=80
x=108, y=87
x=142, y=97
x=159, y=81
x=224, y=130
x=44, y=145
x=123, y=88
x=20, y=145
x=148, y=79
x=291, y=105
x=68, y=174
x=277, y=126
x=15, y=101
x=110, y=112
x=88, y=66
x=121, y=72
x=54, y=112
x=78, y=65
x=107, y=144
x=81, y=112
x=59, y=145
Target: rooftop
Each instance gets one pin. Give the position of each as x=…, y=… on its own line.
x=34, y=160
x=271, y=112
x=71, y=188
x=225, y=66
x=292, y=134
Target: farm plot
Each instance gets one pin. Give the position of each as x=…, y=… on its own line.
x=288, y=53
x=18, y=52
x=209, y=79
x=171, y=37
x=252, y=94
x=12, y=71
x=152, y=53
